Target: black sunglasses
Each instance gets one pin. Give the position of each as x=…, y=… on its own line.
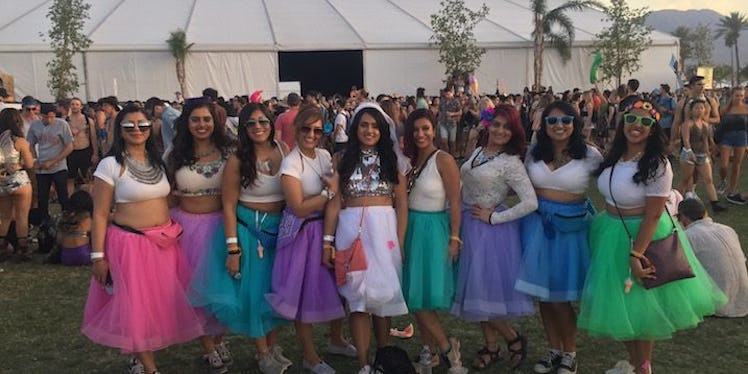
x=261, y=121
x=306, y=129
x=130, y=127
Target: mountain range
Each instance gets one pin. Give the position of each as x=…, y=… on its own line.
x=668, y=20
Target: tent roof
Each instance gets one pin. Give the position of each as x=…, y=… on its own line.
x=257, y=25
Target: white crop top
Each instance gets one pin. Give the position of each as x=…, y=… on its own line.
x=200, y=178
x=428, y=193
x=266, y=188
x=630, y=195
x=573, y=177
x=308, y=171
x=127, y=189
x=487, y=186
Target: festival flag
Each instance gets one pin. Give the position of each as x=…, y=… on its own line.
x=595, y=65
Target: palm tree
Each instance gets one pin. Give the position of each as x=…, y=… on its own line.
x=179, y=49
x=554, y=27
x=730, y=27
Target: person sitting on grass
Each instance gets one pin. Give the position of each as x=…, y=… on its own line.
x=74, y=230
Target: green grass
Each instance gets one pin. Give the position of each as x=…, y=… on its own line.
x=41, y=311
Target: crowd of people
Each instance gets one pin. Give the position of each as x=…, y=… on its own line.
x=204, y=217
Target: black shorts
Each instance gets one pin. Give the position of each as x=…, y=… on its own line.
x=79, y=163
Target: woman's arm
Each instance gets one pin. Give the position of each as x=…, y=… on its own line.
x=654, y=209
x=685, y=134
x=450, y=173
x=332, y=209
x=102, y=199
x=27, y=159
x=401, y=209
x=294, y=194
x=230, y=186
x=519, y=182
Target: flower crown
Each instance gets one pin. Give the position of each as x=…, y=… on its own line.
x=646, y=105
x=487, y=116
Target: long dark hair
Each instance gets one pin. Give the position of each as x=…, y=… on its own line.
x=183, y=149
x=576, y=148
x=80, y=207
x=652, y=159
x=118, y=143
x=409, y=140
x=246, y=151
x=10, y=119
x=516, y=145
x=352, y=153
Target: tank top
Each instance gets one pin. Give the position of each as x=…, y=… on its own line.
x=428, y=193
x=698, y=139
x=200, y=178
x=266, y=188
x=734, y=122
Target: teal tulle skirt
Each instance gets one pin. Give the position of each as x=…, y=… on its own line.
x=606, y=310
x=428, y=272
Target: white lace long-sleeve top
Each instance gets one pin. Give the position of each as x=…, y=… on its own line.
x=488, y=184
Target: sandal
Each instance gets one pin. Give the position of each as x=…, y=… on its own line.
x=515, y=353
x=481, y=362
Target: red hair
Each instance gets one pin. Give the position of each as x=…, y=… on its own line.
x=516, y=145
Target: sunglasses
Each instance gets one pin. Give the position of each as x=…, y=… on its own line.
x=564, y=120
x=130, y=127
x=261, y=121
x=633, y=118
x=306, y=130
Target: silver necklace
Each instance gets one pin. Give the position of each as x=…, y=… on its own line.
x=143, y=171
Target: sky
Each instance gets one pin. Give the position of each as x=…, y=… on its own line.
x=721, y=6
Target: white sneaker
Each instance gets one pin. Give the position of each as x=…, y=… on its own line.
x=135, y=367
x=268, y=365
x=277, y=353
x=214, y=363
x=224, y=353
x=622, y=367
x=347, y=351
x=365, y=370
x=321, y=368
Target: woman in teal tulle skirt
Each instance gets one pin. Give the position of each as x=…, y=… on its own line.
x=635, y=179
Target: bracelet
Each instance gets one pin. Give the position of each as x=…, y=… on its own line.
x=236, y=251
x=329, y=238
x=456, y=238
x=97, y=255
x=325, y=193
x=636, y=254
x=328, y=245
x=232, y=240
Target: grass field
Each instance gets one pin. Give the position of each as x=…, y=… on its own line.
x=41, y=311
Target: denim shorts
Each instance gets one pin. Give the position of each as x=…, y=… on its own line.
x=734, y=139
x=448, y=131
x=701, y=158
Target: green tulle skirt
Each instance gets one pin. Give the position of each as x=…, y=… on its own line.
x=606, y=310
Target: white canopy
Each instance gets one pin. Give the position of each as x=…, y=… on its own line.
x=237, y=44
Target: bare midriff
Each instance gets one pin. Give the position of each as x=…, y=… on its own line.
x=272, y=207
x=142, y=214
x=368, y=201
x=200, y=204
x=625, y=212
x=558, y=195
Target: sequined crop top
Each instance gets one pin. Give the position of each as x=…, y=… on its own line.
x=9, y=156
x=366, y=181
x=200, y=178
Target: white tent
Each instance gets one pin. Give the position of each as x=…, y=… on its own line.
x=237, y=44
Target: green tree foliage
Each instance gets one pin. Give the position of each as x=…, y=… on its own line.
x=729, y=27
x=623, y=42
x=686, y=47
x=453, y=33
x=701, y=36
x=66, y=38
x=722, y=73
x=554, y=27
x=179, y=50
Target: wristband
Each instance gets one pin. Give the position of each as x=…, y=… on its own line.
x=329, y=238
x=232, y=240
x=97, y=255
x=457, y=238
x=325, y=193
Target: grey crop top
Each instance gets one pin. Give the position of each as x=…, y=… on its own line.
x=200, y=178
x=365, y=180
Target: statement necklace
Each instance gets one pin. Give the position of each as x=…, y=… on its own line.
x=143, y=171
x=206, y=154
x=636, y=158
x=481, y=158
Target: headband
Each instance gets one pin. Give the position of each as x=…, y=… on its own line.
x=487, y=116
x=645, y=105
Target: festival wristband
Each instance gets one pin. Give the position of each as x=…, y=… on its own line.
x=232, y=240
x=97, y=255
x=329, y=238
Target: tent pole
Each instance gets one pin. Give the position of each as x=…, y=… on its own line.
x=85, y=77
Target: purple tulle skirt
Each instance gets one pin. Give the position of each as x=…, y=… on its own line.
x=148, y=308
x=196, y=246
x=302, y=288
x=487, y=270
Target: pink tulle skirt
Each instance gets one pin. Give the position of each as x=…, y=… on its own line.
x=148, y=308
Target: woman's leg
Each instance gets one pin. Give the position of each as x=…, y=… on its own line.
x=549, y=316
x=431, y=327
x=705, y=172
x=149, y=362
x=207, y=342
x=361, y=331
x=686, y=177
x=724, y=161
x=516, y=345
x=304, y=334
x=21, y=206
x=336, y=333
x=737, y=163
x=382, y=330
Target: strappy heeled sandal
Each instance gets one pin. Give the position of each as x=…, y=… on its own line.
x=515, y=353
x=481, y=362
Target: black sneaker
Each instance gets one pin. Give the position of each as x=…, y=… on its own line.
x=718, y=207
x=736, y=199
x=547, y=364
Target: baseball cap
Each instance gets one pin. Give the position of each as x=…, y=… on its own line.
x=695, y=79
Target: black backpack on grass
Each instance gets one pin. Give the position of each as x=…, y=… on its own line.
x=392, y=360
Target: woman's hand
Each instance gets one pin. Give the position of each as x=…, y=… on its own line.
x=232, y=262
x=640, y=272
x=328, y=256
x=454, y=250
x=482, y=214
x=332, y=182
x=99, y=270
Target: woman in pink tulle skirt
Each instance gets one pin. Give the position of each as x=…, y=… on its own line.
x=137, y=300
